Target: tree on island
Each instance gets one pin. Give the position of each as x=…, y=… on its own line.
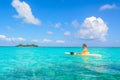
x=27, y=45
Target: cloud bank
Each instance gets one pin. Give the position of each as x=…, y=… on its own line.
x=5, y=38
x=93, y=28
x=24, y=12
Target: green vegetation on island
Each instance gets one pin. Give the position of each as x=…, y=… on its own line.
x=27, y=45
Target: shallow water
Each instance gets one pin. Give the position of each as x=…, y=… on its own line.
x=52, y=64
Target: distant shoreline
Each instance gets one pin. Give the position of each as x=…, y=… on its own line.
x=27, y=45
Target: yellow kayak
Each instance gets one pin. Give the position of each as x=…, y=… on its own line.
x=78, y=54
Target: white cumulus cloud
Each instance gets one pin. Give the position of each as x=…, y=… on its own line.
x=34, y=40
x=24, y=12
x=19, y=39
x=67, y=33
x=49, y=32
x=93, y=28
x=10, y=28
x=60, y=41
x=108, y=6
x=57, y=25
x=75, y=23
x=5, y=38
x=2, y=37
x=46, y=40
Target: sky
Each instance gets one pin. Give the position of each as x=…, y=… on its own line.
x=60, y=22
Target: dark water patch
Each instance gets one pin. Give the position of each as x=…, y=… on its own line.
x=115, y=66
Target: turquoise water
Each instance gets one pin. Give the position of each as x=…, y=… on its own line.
x=52, y=64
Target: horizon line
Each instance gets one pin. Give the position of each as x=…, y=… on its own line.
x=74, y=46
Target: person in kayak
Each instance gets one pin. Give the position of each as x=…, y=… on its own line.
x=85, y=50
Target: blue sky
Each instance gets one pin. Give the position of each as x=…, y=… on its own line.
x=60, y=22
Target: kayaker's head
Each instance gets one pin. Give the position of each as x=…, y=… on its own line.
x=84, y=46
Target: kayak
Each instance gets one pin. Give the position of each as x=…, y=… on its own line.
x=83, y=55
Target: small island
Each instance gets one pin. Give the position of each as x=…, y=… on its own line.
x=27, y=45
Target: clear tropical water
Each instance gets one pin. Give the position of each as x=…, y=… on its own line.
x=52, y=64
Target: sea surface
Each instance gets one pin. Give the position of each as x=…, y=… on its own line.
x=45, y=63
